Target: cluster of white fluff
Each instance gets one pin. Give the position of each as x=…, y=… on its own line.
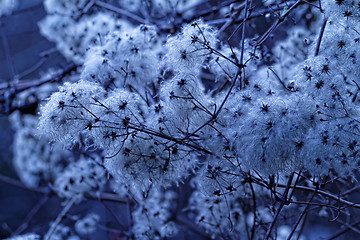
x=27, y=236
x=270, y=126
x=153, y=218
x=222, y=202
x=62, y=232
x=214, y=214
x=187, y=51
x=330, y=80
x=66, y=114
x=73, y=37
x=184, y=94
x=270, y=133
x=162, y=8
x=88, y=224
x=35, y=161
x=7, y=6
x=141, y=103
x=79, y=178
x=64, y=7
x=128, y=57
x=286, y=113
x=139, y=143
x=343, y=11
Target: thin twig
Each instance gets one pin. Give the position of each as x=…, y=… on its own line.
x=59, y=218
x=283, y=201
x=228, y=93
x=277, y=23
x=164, y=136
x=252, y=14
x=314, y=204
x=254, y=211
x=210, y=10
x=302, y=226
x=296, y=182
x=88, y=6
x=342, y=231
x=120, y=11
x=350, y=227
x=243, y=34
x=7, y=51
x=279, y=79
x=302, y=214
x=192, y=227
x=326, y=194
x=320, y=36
x=115, y=218
x=232, y=18
x=350, y=190
x=31, y=215
x=110, y=197
x=19, y=184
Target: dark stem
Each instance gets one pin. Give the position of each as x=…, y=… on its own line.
x=31, y=215
x=277, y=23
x=19, y=184
x=120, y=11
x=254, y=211
x=320, y=36
x=283, y=201
x=302, y=214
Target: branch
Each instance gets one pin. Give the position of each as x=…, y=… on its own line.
x=164, y=136
x=31, y=215
x=254, y=211
x=350, y=227
x=46, y=191
x=9, y=90
x=193, y=227
x=232, y=18
x=6, y=49
x=342, y=231
x=252, y=14
x=59, y=218
x=210, y=10
x=19, y=184
x=110, y=197
x=120, y=11
x=282, y=203
x=320, y=36
x=279, y=79
x=277, y=23
x=302, y=214
x=326, y=194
